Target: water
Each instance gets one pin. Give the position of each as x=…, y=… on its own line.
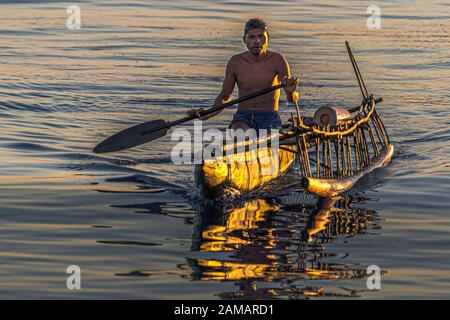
x=127, y=219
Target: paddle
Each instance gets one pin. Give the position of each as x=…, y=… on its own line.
x=152, y=130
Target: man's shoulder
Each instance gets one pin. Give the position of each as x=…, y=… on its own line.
x=236, y=60
x=276, y=55
x=238, y=57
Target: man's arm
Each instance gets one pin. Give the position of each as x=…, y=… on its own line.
x=228, y=84
x=227, y=89
x=284, y=74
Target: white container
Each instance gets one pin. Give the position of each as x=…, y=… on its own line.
x=330, y=115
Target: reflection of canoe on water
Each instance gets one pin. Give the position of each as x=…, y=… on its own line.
x=261, y=240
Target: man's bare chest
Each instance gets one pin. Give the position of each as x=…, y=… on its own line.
x=255, y=74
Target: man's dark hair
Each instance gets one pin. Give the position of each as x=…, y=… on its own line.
x=256, y=23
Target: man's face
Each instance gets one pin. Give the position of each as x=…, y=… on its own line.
x=256, y=41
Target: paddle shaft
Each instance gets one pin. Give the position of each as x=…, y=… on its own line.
x=215, y=108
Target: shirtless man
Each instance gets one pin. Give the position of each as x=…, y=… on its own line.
x=253, y=70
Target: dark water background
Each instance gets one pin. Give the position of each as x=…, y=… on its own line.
x=128, y=219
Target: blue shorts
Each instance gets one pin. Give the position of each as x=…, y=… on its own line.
x=258, y=119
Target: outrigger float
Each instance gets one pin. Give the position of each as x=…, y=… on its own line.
x=332, y=158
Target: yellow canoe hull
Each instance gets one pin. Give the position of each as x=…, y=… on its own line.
x=242, y=172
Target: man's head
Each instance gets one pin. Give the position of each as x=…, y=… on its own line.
x=256, y=36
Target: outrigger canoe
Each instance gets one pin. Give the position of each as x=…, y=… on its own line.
x=332, y=154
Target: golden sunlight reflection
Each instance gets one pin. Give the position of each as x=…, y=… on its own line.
x=265, y=244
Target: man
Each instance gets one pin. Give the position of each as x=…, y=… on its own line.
x=253, y=70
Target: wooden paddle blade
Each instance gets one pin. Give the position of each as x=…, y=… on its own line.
x=133, y=136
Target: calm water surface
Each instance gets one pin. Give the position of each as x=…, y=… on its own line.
x=129, y=219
